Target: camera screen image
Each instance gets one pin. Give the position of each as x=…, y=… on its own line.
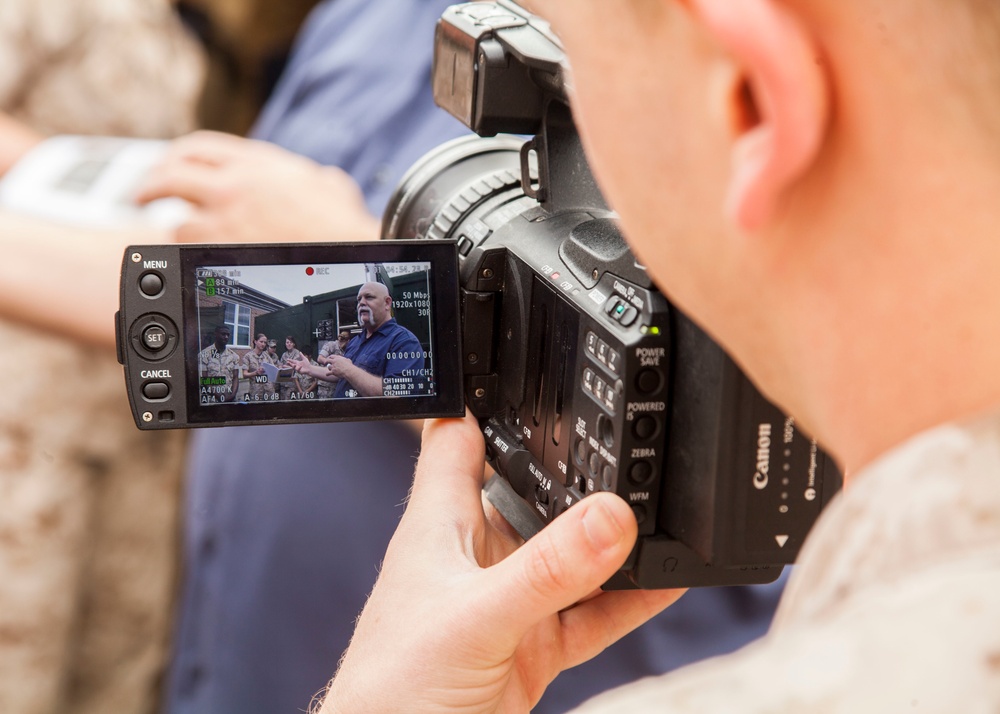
x=286, y=333
x=226, y=335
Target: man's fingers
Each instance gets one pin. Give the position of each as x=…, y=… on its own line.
x=449, y=472
x=569, y=559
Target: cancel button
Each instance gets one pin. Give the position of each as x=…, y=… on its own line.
x=155, y=390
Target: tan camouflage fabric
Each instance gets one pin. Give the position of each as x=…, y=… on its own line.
x=894, y=606
x=112, y=67
x=89, y=505
x=325, y=390
x=212, y=363
x=306, y=381
x=256, y=390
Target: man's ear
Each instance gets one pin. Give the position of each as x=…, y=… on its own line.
x=775, y=100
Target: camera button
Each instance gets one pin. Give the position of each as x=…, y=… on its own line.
x=640, y=473
x=648, y=381
x=588, y=379
x=594, y=463
x=602, y=351
x=599, y=385
x=151, y=284
x=155, y=391
x=645, y=427
x=629, y=316
x=592, y=343
x=154, y=338
x=607, y=477
x=614, y=361
x=640, y=514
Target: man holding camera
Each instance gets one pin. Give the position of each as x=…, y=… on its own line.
x=814, y=182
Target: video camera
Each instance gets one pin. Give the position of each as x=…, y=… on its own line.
x=530, y=308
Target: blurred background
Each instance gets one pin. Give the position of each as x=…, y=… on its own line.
x=89, y=506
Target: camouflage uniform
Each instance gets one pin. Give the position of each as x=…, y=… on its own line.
x=212, y=363
x=257, y=390
x=307, y=381
x=329, y=349
x=288, y=387
x=89, y=511
x=270, y=389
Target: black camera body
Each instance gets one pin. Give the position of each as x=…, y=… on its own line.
x=584, y=377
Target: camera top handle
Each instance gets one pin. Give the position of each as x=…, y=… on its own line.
x=499, y=69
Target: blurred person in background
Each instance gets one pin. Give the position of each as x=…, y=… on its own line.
x=88, y=504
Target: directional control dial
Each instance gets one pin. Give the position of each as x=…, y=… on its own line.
x=154, y=337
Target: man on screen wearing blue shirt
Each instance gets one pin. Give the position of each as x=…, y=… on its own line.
x=384, y=350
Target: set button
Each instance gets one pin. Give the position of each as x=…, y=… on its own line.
x=154, y=338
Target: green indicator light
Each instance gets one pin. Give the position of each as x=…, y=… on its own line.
x=654, y=330
x=620, y=309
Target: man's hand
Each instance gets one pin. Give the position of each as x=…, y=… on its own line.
x=247, y=191
x=366, y=383
x=339, y=366
x=462, y=618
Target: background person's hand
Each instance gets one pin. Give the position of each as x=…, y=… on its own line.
x=16, y=140
x=248, y=191
x=461, y=619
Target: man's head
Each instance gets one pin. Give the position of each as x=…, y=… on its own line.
x=806, y=179
x=222, y=337
x=374, y=306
